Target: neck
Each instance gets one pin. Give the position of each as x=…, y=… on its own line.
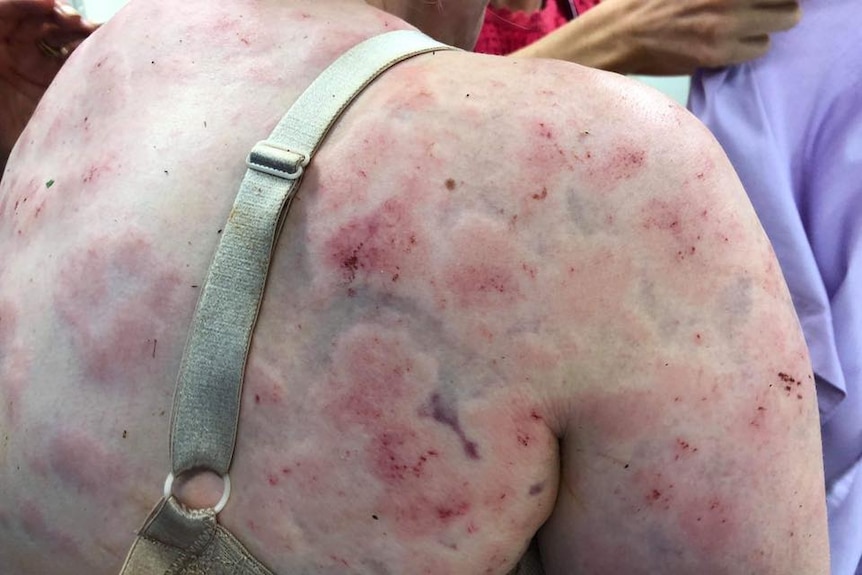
x=518, y=5
x=454, y=22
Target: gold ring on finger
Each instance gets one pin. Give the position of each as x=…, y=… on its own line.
x=53, y=51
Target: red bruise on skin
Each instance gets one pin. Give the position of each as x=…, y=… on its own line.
x=423, y=514
x=396, y=458
x=37, y=528
x=373, y=370
x=608, y=169
x=115, y=299
x=446, y=512
x=15, y=363
x=14, y=373
x=631, y=413
x=8, y=328
x=681, y=232
x=708, y=524
x=80, y=463
x=28, y=198
x=406, y=465
x=482, y=285
x=384, y=244
x=665, y=216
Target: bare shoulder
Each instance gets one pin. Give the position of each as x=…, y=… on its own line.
x=681, y=385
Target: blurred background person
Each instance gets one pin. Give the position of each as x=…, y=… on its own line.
x=36, y=37
x=656, y=37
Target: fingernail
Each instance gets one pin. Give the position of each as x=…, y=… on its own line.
x=65, y=10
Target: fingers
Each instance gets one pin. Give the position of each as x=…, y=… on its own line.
x=67, y=17
x=25, y=8
x=770, y=19
x=746, y=49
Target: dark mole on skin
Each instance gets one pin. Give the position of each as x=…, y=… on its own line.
x=446, y=414
x=450, y=184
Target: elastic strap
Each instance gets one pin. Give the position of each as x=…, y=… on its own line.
x=206, y=402
x=176, y=540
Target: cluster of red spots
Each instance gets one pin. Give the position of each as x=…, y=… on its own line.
x=417, y=514
x=683, y=448
x=662, y=216
x=524, y=439
x=480, y=283
x=791, y=384
x=682, y=254
x=545, y=131
x=29, y=193
x=624, y=162
x=541, y=195
x=658, y=493
x=714, y=506
x=395, y=463
x=381, y=242
x=448, y=512
x=93, y=173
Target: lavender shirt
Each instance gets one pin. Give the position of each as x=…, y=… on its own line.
x=791, y=122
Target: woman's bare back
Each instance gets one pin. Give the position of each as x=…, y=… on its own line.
x=481, y=261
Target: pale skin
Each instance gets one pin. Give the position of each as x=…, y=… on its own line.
x=663, y=37
x=494, y=312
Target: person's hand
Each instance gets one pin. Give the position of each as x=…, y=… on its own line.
x=668, y=37
x=36, y=37
x=678, y=36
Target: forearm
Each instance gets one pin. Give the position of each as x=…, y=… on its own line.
x=597, y=39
